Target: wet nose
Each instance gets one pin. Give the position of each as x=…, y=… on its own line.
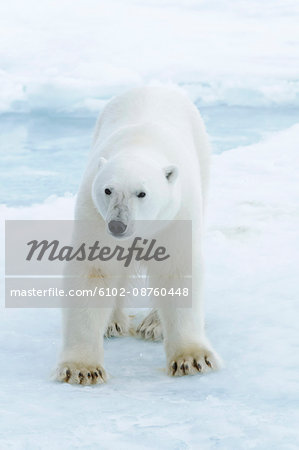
x=117, y=227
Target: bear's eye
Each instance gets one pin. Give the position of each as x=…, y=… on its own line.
x=107, y=191
x=141, y=194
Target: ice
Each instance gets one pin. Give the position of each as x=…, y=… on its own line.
x=60, y=62
x=44, y=153
x=251, y=250
x=62, y=56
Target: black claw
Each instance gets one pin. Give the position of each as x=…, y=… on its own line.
x=96, y=374
x=182, y=367
x=196, y=365
x=67, y=375
x=117, y=328
x=89, y=374
x=81, y=377
x=174, y=367
x=208, y=362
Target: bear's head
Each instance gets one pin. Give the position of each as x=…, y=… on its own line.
x=126, y=190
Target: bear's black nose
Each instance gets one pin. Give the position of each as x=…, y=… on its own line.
x=117, y=227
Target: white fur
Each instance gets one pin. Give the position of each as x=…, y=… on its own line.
x=141, y=137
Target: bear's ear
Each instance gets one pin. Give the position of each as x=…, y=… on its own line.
x=171, y=173
x=102, y=162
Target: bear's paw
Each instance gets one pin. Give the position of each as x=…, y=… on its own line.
x=196, y=360
x=150, y=328
x=116, y=329
x=76, y=373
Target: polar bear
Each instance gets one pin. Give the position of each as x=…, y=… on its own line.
x=149, y=161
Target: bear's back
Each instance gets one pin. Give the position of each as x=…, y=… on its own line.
x=164, y=106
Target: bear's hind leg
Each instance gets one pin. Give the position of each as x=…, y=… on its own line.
x=118, y=324
x=151, y=327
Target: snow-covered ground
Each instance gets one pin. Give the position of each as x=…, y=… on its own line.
x=67, y=55
x=252, y=250
x=59, y=63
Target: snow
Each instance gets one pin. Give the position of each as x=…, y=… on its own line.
x=43, y=153
x=59, y=64
x=67, y=56
x=252, y=250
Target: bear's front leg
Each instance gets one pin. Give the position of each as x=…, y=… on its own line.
x=82, y=356
x=188, y=351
